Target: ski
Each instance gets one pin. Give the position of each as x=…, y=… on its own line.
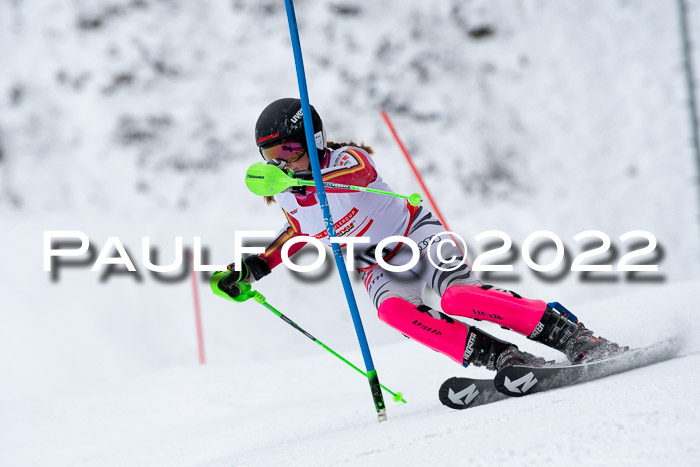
x=462, y=393
x=518, y=381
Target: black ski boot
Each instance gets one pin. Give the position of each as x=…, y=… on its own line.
x=562, y=331
x=483, y=349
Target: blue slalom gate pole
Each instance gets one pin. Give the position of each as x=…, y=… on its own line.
x=323, y=201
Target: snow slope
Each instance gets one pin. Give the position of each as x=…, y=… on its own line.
x=316, y=411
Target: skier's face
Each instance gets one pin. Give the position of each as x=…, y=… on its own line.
x=300, y=164
x=291, y=151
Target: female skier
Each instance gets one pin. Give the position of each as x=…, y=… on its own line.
x=279, y=134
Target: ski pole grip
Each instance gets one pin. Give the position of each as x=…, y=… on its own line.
x=214, y=285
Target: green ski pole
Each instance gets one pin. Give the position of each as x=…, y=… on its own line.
x=247, y=292
x=268, y=180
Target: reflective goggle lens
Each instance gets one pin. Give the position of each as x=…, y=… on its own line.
x=289, y=151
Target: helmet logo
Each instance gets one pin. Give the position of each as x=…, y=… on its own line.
x=265, y=138
x=295, y=118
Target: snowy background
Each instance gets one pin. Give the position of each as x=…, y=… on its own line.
x=135, y=118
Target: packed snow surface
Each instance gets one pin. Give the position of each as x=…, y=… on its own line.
x=316, y=411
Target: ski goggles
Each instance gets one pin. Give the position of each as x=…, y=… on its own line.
x=290, y=151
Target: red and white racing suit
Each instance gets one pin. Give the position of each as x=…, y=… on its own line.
x=398, y=295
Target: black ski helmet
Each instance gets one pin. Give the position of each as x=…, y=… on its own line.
x=282, y=120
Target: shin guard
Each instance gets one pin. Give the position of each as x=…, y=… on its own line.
x=427, y=326
x=507, y=309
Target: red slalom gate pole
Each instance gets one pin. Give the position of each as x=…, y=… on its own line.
x=418, y=176
x=197, y=314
